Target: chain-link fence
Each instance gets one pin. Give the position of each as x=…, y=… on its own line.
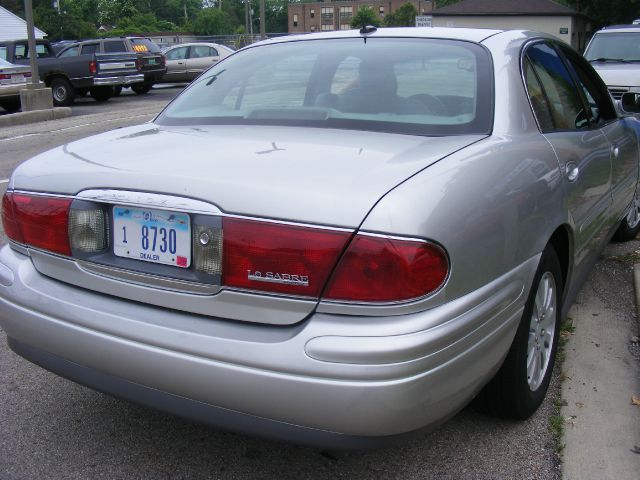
x=233, y=41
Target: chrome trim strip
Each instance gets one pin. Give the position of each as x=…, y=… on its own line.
x=148, y=200
x=43, y=194
x=284, y=222
x=149, y=280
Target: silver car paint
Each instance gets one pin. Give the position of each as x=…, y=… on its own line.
x=493, y=202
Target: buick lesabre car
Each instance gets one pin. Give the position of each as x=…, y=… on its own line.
x=335, y=239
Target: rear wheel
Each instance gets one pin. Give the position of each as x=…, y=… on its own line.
x=630, y=225
x=10, y=105
x=62, y=91
x=101, y=94
x=141, y=88
x=520, y=385
x=117, y=90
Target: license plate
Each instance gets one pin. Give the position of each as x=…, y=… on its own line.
x=151, y=61
x=156, y=236
x=17, y=78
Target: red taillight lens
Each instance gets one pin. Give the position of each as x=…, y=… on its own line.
x=9, y=223
x=40, y=222
x=383, y=269
x=4, y=76
x=279, y=258
x=93, y=68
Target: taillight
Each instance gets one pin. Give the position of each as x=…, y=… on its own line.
x=4, y=76
x=93, y=68
x=138, y=64
x=37, y=221
x=279, y=258
x=387, y=269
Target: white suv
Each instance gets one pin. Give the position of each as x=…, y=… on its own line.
x=615, y=54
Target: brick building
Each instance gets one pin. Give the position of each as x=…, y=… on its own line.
x=336, y=15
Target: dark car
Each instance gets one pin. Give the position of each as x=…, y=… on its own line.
x=93, y=72
x=151, y=61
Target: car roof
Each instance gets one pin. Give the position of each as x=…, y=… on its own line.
x=476, y=35
x=620, y=28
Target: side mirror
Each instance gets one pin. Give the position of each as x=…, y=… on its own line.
x=630, y=102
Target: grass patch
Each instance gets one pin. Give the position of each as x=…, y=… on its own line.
x=556, y=422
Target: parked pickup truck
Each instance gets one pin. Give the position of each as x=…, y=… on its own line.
x=97, y=73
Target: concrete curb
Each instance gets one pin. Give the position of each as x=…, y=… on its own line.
x=22, y=118
x=600, y=424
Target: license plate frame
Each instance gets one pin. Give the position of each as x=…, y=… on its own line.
x=152, y=236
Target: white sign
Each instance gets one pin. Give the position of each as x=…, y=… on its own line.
x=424, y=21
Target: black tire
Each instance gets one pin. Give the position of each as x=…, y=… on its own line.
x=141, y=88
x=62, y=91
x=630, y=225
x=10, y=105
x=101, y=94
x=81, y=92
x=117, y=90
x=517, y=391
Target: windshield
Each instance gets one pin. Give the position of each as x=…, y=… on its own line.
x=622, y=46
x=414, y=86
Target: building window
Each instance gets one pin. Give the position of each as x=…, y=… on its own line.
x=381, y=11
x=346, y=13
x=313, y=28
x=327, y=13
x=295, y=20
x=327, y=27
x=312, y=13
x=345, y=26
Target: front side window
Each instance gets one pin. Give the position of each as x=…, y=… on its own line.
x=199, y=51
x=415, y=86
x=601, y=109
x=179, y=53
x=69, y=52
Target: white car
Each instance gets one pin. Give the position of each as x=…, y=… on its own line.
x=13, y=78
x=188, y=60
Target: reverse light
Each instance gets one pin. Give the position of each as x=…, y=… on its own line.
x=88, y=231
x=378, y=268
x=279, y=258
x=37, y=221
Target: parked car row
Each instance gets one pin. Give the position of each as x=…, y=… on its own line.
x=103, y=67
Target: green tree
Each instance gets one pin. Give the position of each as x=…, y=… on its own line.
x=404, y=16
x=365, y=16
x=213, y=21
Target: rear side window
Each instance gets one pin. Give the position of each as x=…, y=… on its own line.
x=142, y=45
x=90, y=48
x=114, y=46
x=3, y=53
x=563, y=99
x=198, y=51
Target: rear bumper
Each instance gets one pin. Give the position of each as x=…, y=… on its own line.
x=11, y=91
x=118, y=80
x=274, y=381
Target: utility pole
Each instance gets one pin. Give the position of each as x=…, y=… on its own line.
x=263, y=22
x=31, y=39
x=35, y=96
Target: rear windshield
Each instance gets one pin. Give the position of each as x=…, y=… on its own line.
x=141, y=45
x=622, y=46
x=413, y=86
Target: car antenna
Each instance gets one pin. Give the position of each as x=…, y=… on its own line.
x=367, y=29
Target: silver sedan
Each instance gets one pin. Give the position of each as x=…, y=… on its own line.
x=13, y=78
x=188, y=60
x=333, y=239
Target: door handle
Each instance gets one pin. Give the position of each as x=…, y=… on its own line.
x=572, y=171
